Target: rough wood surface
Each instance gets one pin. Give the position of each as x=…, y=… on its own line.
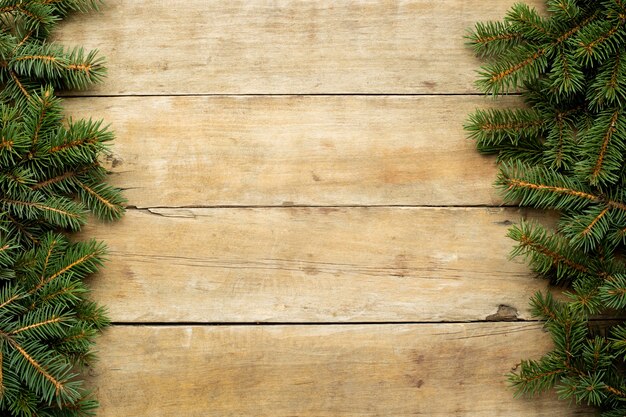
x=282, y=371
x=210, y=142
x=285, y=46
x=207, y=151
x=313, y=265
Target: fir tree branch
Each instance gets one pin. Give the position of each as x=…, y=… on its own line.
x=483, y=39
x=571, y=65
x=566, y=76
x=54, y=180
x=527, y=241
x=108, y=203
x=532, y=378
x=65, y=269
x=52, y=320
x=527, y=21
x=22, y=229
x=588, y=229
x=550, y=254
x=24, y=40
x=57, y=384
x=9, y=9
x=1, y=373
x=615, y=391
x=46, y=262
x=567, y=35
x=65, y=290
x=19, y=84
x=560, y=130
x=9, y=301
x=81, y=335
x=73, y=144
x=42, y=206
x=6, y=143
x=44, y=58
x=62, y=177
x=616, y=205
x=613, y=81
x=499, y=76
x=605, y=143
x=513, y=183
x=572, y=69
x=495, y=77
x=42, y=115
x=512, y=125
x=589, y=46
x=566, y=8
x=37, y=18
x=86, y=68
x=559, y=143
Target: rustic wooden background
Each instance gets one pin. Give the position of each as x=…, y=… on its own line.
x=309, y=231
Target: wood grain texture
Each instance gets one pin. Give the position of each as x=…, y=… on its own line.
x=375, y=370
x=245, y=264
x=312, y=265
x=208, y=151
x=284, y=46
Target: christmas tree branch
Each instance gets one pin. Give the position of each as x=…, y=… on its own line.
x=571, y=66
x=50, y=178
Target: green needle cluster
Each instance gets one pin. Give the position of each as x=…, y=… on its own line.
x=51, y=179
x=565, y=150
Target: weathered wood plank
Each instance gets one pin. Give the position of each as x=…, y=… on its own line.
x=280, y=371
x=207, y=151
x=284, y=46
x=312, y=265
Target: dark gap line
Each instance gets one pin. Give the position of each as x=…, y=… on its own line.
x=286, y=95
x=339, y=323
x=311, y=323
x=233, y=206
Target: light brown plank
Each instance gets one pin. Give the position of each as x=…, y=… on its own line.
x=312, y=265
x=207, y=151
x=376, y=370
x=284, y=46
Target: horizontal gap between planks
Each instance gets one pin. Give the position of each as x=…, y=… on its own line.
x=598, y=320
x=234, y=206
x=284, y=95
x=310, y=323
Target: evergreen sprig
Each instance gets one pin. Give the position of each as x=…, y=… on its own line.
x=51, y=178
x=47, y=327
x=565, y=150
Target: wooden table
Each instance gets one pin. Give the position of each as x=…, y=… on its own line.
x=309, y=232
